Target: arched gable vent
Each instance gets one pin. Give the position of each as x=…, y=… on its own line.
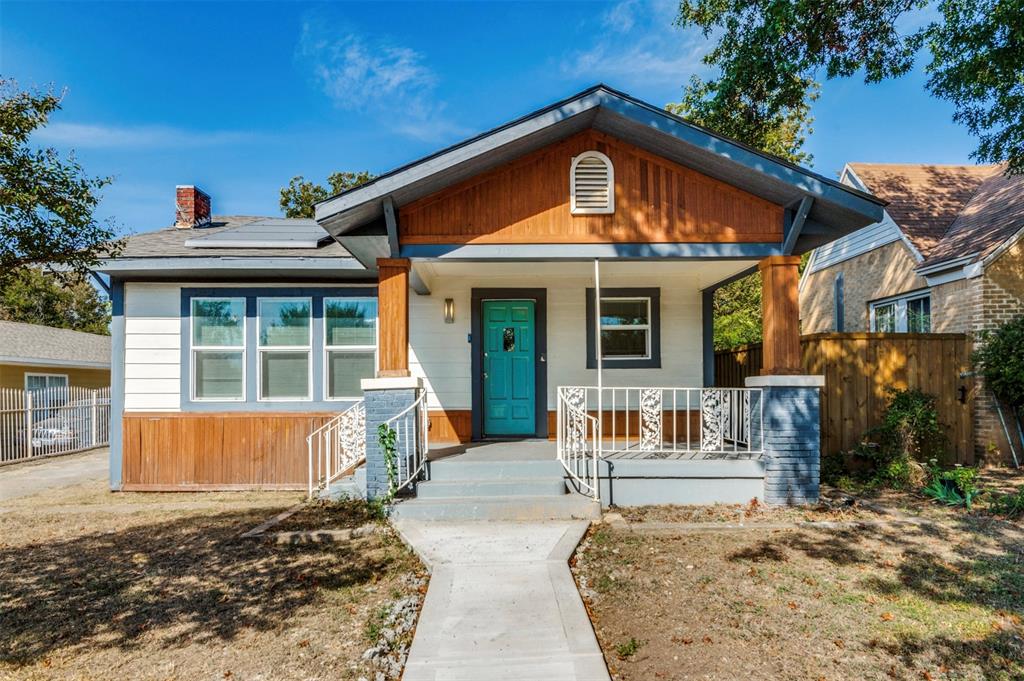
x=592, y=184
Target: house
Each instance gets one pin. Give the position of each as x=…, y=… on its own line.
x=35, y=357
x=946, y=257
x=537, y=296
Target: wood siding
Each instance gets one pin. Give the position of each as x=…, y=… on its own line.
x=858, y=367
x=780, y=315
x=223, y=450
x=13, y=376
x=527, y=201
x=393, y=302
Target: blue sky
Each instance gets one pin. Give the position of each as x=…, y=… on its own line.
x=239, y=97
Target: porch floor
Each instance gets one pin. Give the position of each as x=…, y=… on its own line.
x=541, y=450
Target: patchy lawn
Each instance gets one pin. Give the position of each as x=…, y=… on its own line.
x=873, y=596
x=96, y=585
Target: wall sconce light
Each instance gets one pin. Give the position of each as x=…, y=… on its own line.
x=449, y=311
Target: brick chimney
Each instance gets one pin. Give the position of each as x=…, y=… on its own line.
x=192, y=207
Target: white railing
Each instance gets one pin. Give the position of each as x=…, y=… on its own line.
x=52, y=421
x=337, y=447
x=411, y=443
x=577, y=437
x=662, y=422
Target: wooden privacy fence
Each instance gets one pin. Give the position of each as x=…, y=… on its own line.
x=859, y=367
x=59, y=420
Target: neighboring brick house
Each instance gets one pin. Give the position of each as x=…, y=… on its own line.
x=947, y=257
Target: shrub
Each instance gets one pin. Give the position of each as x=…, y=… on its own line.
x=910, y=426
x=957, y=486
x=1000, y=360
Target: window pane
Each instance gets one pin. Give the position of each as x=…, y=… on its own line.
x=919, y=315
x=350, y=321
x=284, y=322
x=218, y=322
x=345, y=370
x=885, y=318
x=624, y=343
x=623, y=312
x=284, y=374
x=218, y=374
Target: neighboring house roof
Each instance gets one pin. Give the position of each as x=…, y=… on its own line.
x=924, y=199
x=45, y=346
x=837, y=209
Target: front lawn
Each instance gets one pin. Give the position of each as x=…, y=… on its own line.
x=95, y=585
x=861, y=595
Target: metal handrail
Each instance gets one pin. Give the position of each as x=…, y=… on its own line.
x=336, y=447
x=411, y=426
x=577, y=428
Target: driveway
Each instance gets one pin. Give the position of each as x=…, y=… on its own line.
x=21, y=480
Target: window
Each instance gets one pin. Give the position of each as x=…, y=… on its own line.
x=592, y=184
x=218, y=348
x=907, y=314
x=283, y=346
x=49, y=391
x=630, y=328
x=350, y=345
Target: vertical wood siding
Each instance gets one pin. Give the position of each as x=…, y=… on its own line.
x=527, y=201
x=858, y=367
x=227, y=450
x=393, y=306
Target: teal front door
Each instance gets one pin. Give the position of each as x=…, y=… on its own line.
x=509, y=369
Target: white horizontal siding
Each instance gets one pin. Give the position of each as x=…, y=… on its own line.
x=152, y=357
x=441, y=353
x=857, y=243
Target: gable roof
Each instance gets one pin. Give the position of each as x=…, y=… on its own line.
x=924, y=199
x=837, y=209
x=949, y=212
x=43, y=345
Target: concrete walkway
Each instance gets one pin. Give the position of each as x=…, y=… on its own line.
x=21, y=480
x=501, y=604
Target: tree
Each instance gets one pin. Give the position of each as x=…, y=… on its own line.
x=769, y=53
x=37, y=297
x=300, y=196
x=46, y=200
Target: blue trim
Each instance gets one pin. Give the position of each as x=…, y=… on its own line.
x=251, y=294
x=116, y=380
x=652, y=362
x=707, y=323
x=795, y=227
x=608, y=251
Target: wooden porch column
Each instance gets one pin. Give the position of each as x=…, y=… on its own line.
x=780, y=310
x=393, y=303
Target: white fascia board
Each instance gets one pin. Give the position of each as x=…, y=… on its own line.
x=44, y=362
x=946, y=277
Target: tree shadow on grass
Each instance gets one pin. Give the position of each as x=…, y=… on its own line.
x=192, y=576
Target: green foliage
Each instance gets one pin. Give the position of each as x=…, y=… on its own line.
x=769, y=53
x=386, y=436
x=1009, y=505
x=36, y=297
x=628, y=649
x=910, y=426
x=300, y=197
x=957, y=486
x=736, y=309
x=1000, y=359
x=46, y=200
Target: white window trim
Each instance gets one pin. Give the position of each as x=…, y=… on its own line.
x=352, y=348
x=193, y=349
x=900, y=304
x=39, y=374
x=260, y=349
x=611, y=185
x=628, y=327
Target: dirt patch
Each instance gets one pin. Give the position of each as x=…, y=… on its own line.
x=328, y=515
x=942, y=599
x=839, y=508
x=161, y=586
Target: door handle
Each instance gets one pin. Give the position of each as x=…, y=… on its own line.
x=485, y=374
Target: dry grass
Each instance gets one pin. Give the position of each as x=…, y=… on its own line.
x=161, y=586
x=941, y=599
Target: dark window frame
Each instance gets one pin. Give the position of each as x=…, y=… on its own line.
x=652, y=362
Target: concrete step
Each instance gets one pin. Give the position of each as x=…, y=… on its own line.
x=349, y=487
x=564, y=507
x=452, y=469
x=548, y=486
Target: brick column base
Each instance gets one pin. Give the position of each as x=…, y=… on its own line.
x=384, y=398
x=791, y=428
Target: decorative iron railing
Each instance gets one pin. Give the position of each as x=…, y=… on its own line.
x=337, y=447
x=410, y=427
x=577, y=437
x=664, y=422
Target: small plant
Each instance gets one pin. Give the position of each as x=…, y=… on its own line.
x=386, y=437
x=910, y=426
x=628, y=649
x=955, y=487
x=1009, y=505
x=375, y=624
x=1000, y=359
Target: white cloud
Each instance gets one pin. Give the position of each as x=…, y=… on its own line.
x=638, y=43
x=372, y=74
x=97, y=136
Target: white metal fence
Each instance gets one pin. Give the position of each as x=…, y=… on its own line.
x=62, y=420
x=410, y=427
x=337, y=447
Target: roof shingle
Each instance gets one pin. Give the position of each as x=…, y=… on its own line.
x=37, y=344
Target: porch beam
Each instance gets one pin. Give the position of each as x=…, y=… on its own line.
x=797, y=226
x=391, y=220
x=393, y=303
x=420, y=281
x=780, y=315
